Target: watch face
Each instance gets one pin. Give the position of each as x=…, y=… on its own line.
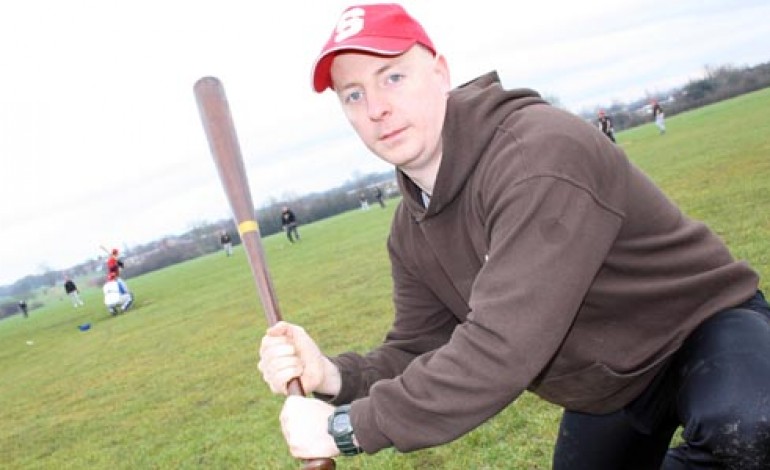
x=341, y=424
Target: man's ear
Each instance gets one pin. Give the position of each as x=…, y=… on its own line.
x=441, y=69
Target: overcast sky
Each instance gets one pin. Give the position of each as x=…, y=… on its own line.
x=101, y=142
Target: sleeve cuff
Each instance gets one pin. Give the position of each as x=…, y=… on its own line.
x=350, y=382
x=364, y=422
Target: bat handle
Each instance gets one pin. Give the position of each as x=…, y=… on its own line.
x=294, y=387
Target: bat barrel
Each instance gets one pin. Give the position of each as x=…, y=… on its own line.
x=223, y=141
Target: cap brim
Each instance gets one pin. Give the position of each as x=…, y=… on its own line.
x=375, y=45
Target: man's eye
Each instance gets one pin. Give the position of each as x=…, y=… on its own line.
x=353, y=97
x=395, y=78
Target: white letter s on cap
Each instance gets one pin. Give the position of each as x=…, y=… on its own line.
x=350, y=24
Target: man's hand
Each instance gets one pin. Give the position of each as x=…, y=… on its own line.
x=286, y=352
x=304, y=422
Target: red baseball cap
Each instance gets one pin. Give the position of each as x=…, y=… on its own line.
x=383, y=29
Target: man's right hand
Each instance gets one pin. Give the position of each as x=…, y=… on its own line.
x=286, y=352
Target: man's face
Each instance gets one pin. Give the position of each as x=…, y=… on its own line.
x=395, y=104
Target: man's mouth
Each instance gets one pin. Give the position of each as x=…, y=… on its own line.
x=391, y=134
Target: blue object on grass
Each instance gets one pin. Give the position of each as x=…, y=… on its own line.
x=84, y=327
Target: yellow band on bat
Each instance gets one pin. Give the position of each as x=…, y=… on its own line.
x=248, y=226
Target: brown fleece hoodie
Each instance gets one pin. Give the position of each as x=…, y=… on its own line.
x=544, y=261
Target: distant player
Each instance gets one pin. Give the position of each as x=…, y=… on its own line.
x=23, y=308
x=363, y=201
x=605, y=124
x=289, y=224
x=379, y=197
x=117, y=297
x=73, y=292
x=659, y=116
x=227, y=243
x=114, y=264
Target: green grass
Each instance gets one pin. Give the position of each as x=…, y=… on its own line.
x=174, y=384
x=715, y=162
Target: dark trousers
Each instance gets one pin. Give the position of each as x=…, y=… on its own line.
x=291, y=229
x=717, y=386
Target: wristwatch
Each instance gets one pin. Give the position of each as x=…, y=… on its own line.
x=342, y=431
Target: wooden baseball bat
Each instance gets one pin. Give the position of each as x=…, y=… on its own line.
x=223, y=141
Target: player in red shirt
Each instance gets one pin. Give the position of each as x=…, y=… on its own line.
x=114, y=264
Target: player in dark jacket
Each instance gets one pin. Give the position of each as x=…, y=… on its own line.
x=605, y=124
x=289, y=224
x=73, y=292
x=227, y=243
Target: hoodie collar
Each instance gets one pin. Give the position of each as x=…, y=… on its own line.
x=474, y=112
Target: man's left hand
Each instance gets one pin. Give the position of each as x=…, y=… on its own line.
x=304, y=422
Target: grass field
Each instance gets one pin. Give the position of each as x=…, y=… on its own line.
x=173, y=383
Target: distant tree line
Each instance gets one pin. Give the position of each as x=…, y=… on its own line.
x=201, y=239
x=719, y=83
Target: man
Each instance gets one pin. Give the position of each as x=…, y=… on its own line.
x=117, y=297
x=527, y=253
x=659, y=116
x=114, y=263
x=72, y=291
x=363, y=201
x=379, y=197
x=23, y=308
x=227, y=243
x=289, y=224
x=605, y=125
